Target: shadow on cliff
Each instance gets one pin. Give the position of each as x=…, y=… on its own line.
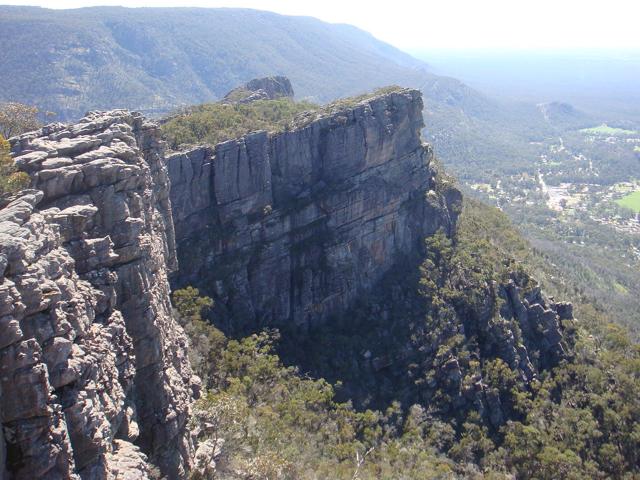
x=367, y=352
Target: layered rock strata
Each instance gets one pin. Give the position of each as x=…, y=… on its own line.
x=94, y=375
x=289, y=228
x=283, y=229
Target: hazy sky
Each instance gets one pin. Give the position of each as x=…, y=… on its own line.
x=448, y=23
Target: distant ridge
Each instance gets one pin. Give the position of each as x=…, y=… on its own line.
x=154, y=59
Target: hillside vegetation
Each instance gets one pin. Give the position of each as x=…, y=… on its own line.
x=577, y=420
x=156, y=59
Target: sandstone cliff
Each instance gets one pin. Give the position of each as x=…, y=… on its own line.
x=289, y=228
x=94, y=376
x=282, y=229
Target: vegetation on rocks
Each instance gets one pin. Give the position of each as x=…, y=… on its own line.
x=213, y=123
x=10, y=179
x=216, y=122
x=15, y=118
x=577, y=418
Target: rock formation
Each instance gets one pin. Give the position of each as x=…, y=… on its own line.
x=280, y=228
x=268, y=88
x=283, y=229
x=94, y=375
x=288, y=228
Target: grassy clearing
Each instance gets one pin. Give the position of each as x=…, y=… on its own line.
x=605, y=129
x=631, y=201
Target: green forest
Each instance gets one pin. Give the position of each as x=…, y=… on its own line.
x=577, y=419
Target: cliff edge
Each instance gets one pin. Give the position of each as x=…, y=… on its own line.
x=94, y=373
x=282, y=229
x=289, y=228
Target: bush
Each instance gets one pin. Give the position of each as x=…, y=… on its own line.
x=11, y=180
x=217, y=122
x=16, y=118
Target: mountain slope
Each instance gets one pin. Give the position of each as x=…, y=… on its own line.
x=471, y=368
x=154, y=59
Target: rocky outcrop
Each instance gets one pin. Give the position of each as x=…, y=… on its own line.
x=283, y=229
x=433, y=329
x=540, y=321
x=528, y=332
x=289, y=228
x=94, y=375
x=268, y=88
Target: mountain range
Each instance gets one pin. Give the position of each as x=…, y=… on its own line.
x=260, y=287
x=154, y=59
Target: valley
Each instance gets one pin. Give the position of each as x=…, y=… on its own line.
x=565, y=173
x=575, y=198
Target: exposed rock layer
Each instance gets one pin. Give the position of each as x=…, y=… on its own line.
x=93, y=367
x=284, y=228
x=289, y=228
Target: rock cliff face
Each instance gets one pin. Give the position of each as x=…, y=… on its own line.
x=282, y=229
x=288, y=228
x=94, y=376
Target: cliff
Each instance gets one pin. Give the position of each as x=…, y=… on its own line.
x=95, y=379
x=281, y=229
x=287, y=229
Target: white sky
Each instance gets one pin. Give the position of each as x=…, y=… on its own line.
x=447, y=23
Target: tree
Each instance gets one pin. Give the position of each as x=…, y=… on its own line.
x=10, y=179
x=17, y=118
x=190, y=304
x=206, y=342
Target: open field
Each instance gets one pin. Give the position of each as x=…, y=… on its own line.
x=605, y=129
x=631, y=201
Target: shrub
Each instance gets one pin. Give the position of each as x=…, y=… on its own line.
x=217, y=122
x=11, y=180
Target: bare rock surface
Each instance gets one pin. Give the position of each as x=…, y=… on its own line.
x=267, y=88
x=289, y=228
x=94, y=377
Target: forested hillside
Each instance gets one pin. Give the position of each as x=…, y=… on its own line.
x=430, y=360
x=71, y=61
